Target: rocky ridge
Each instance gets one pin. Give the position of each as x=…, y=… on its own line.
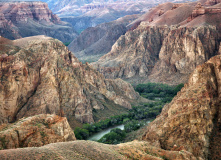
x=35, y=131
x=164, y=45
x=192, y=120
x=24, y=19
x=40, y=75
x=88, y=150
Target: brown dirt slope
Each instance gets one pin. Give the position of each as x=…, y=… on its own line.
x=88, y=150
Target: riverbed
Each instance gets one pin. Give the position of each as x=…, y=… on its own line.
x=97, y=136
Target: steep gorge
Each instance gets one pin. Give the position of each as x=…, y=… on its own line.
x=188, y=128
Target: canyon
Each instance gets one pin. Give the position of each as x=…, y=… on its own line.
x=187, y=129
x=164, y=45
x=39, y=75
x=24, y=19
x=45, y=91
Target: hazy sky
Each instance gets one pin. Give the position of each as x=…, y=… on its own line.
x=17, y=0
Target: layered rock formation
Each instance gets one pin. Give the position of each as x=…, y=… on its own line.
x=94, y=42
x=23, y=19
x=40, y=75
x=35, y=131
x=164, y=45
x=192, y=120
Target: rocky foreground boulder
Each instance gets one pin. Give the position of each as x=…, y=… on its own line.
x=35, y=131
x=192, y=120
x=165, y=45
x=39, y=75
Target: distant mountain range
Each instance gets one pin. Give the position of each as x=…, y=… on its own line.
x=77, y=8
x=89, y=13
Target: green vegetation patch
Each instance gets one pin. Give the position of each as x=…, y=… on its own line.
x=158, y=91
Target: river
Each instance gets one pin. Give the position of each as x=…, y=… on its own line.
x=97, y=136
x=100, y=134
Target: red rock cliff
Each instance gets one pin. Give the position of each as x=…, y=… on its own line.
x=23, y=19
x=22, y=11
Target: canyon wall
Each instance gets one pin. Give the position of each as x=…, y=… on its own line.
x=164, y=45
x=40, y=75
x=192, y=120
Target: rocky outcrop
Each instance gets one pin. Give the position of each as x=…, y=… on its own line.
x=201, y=10
x=35, y=131
x=40, y=75
x=192, y=120
x=212, y=2
x=164, y=47
x=23, y=19
x=97, y=41
x=89, y=150
x=182, y=50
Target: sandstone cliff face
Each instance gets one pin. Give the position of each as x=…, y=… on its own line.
x=192, y=119
x=40, y=75
x=139, y=48
x=97, y=41
x=23, y=19
x=35, y=131
x=182, y=50
x=164, y=45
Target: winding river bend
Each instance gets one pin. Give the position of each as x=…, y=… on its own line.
x=100, y=134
